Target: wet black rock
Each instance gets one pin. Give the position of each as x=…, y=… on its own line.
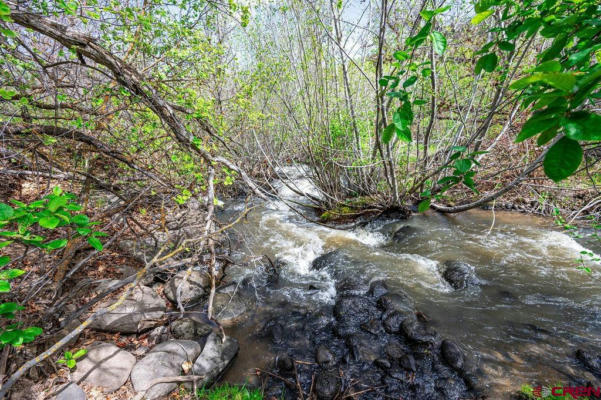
x=373, y=326
x=399, y=301
x=354, y=352
x=460, y=275
x=452, y=354
x=327, y=384
x=351, y=312
x=394, y=350
x=407, y=362
x=392, y=323
x=404, y=233
x=382, y=363
x=351, y=286
x=284, y=363
x=377, y=289
x=363, y=347
x=328, y=259
x=324, y=357
x=417, y=332
x=591, y=361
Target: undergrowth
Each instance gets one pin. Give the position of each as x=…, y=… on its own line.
x=228, y=392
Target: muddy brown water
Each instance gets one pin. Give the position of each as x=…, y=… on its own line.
x=521, y=325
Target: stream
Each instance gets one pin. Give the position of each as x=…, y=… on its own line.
x=521, y=324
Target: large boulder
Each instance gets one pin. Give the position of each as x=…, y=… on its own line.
x=460, y=275
x=216, y=356
x=328, y=260
x=142, y=309
x=229, y=308
x=165, y=359
x=104, y=365
x=193, y=289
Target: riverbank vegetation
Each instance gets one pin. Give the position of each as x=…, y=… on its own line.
x=146, y=116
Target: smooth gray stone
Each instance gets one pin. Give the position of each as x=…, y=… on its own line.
x=105, y=365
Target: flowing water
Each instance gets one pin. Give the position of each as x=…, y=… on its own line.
x=522, y=324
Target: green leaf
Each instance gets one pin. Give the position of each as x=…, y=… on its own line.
x=534, y=126
x=6, y=212
x=506, y=46
x=4, y=287
x=11, y=274
x=401, y=55
x=56, y=202
x=560, y=80
x=463, y=165
x=388, y=133
x=582, y=125
x=80, y=353
x=9, y=336
x=95, y=243
x=423, y=205
x=4, y=9
x=547, y=135
x=439, y=42
x=71, y=363
x=410, y=81
x=56, y=244
x=81, y=220
x=7, y=94
x=487, y=63
x=478, y=18
x=5, y=243
x=50, y=222
x=4, y=260
x=404, y=134
x=549, y=66
x=562, y=159
x=10, y=308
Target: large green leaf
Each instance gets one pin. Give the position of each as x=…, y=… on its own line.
x=534, y=126
x=4, y=287
x=11, y=274
x=423, y=205
x=404, y=134
x=562, y=159
x=6, y=212
x=4, y=260
x=583, y=125
x=409, y=82
x=388, y=133
x=481, y=16
x=50, y=222
x=561, y=80
x=487, y=63
x=56, y=244
x=56, y=202
x=439, y=42
x=463, y=165
x=95, y=243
